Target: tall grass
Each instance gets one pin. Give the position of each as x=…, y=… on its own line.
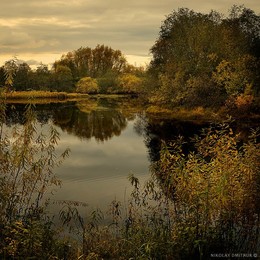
x=27, y=161
x=196, y=205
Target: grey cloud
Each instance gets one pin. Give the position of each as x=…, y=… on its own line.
x=59, y=25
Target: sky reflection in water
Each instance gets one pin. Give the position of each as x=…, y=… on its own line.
x=97, y=172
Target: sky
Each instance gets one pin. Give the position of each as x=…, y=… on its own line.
x=40, y=31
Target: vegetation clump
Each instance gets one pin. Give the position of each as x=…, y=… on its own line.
x=205, y=59
x=102, y=64
x=87, y=85
x=27, y=161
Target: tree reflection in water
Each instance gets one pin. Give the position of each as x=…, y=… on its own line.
x=89, y=120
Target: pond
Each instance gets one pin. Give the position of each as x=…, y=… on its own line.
x=109, y=139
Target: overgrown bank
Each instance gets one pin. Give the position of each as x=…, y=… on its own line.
x=198, y=201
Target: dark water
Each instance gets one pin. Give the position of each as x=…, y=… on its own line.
x=109, y=139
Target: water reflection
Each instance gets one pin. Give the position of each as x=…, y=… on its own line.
x=87, y=120
x=159, y=130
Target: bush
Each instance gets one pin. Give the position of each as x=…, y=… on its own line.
x=130, y=83
x=214, y=191
x=108, y=82
x=87, y=85
x=240, y=105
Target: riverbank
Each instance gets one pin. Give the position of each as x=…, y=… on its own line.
x=41, y=97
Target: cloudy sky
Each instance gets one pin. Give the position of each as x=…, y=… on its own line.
x=41, y=31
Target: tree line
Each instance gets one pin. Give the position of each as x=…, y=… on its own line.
x=102, y=65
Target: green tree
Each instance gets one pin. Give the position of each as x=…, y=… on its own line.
x=40, y=79
x=22, y=77
x=62, y=78
x=108, y=82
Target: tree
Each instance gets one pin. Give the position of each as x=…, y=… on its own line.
x=87, y=85
x=189, y=50
x=2, y=76
x=87, y=62
x=237, y=76
x=62, y=78
x=40, y=79
x=22, y=77
x=249, y=23
x=130, y=83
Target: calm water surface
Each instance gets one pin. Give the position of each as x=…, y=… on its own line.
x=97, y=171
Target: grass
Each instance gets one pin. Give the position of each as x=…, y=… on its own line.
x=21, y=96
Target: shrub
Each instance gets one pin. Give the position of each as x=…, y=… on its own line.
x=108, y=82
x=240, y=105
x=87, y=85
x=130, y=83
x=214, y=191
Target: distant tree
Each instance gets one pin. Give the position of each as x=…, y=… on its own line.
x=63, y=78
x=108, y=82
x=40, y=79
x=83, y=61
x=22, y=77
x=87, y=62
